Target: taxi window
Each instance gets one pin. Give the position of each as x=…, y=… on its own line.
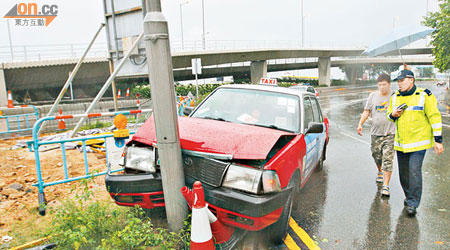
x=252, y=107
x=316, y=110
x=308, y=111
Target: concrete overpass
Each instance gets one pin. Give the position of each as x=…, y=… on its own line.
x=45, y=78
x=244, y=71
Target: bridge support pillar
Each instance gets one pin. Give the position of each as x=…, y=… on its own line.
x=350, y=73
x=324, y=71
x=3, y=92
x=258, y=70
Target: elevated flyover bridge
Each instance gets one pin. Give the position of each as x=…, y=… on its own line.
x=44, y=78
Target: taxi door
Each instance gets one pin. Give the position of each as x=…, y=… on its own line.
x=312, y=140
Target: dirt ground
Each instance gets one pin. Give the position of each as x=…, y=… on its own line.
x=19, y=199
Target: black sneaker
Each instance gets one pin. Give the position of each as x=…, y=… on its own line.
x=411, y=211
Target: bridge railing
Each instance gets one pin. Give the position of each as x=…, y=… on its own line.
x=60, y=51
x=54, y=51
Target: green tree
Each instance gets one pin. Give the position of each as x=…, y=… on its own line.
x=440, y=21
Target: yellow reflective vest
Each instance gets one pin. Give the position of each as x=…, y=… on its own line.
x=419, y=124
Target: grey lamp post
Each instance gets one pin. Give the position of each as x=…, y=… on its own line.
x=181, y=21
x=204, y=34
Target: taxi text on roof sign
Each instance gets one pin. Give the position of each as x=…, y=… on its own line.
x=268, y=81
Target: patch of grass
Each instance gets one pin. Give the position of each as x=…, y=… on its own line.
x=97, y=124
x=82, y=223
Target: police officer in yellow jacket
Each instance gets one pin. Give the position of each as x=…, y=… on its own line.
x=418, y=127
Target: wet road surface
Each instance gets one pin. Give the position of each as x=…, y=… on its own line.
x=341, y=208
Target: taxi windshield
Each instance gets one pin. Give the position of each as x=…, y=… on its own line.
x=252, y=107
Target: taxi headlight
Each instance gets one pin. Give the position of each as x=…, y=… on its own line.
x=141, y=159
x=243, y=178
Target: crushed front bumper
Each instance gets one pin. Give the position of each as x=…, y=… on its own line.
x=235, y=208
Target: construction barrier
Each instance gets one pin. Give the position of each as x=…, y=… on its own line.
x=13, y=122
x=35, y=143
x=183, y=102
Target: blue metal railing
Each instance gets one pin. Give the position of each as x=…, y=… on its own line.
x=35, y=143
x=9, y=119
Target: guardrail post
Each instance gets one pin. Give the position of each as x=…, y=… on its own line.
x=40, y=183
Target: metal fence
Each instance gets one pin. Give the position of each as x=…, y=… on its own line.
x=36, y=143
x=18, y=123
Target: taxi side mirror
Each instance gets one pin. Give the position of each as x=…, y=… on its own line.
x=187, y=110
x=314, y=128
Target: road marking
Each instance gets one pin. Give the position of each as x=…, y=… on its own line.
x=445, y=125
x=290, y=243
x=303, y=235
x=355, y=138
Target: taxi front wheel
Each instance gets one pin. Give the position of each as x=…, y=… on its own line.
x=278, y=230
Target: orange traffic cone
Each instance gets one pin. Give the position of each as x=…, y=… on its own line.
x=192, y=103
x=201, y=235
x=138, y=104
x=188, y=195
x=61, y=123
x=118, y=94
x=10, y=100
x=128, y=93
x=221, y=233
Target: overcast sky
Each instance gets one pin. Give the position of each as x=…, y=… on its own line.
x=326, y=21
x=336, y=23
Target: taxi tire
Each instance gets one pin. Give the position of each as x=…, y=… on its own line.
x=278, y=230
x=320, y=164
x=322, y=159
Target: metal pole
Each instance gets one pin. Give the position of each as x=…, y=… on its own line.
x=196, y=84
x=113, y=86
x=110, y=54
x=303, y=28
x=10, y=41
x=181, y=20
x=113, y=12
x=426, y=38
x=71, y=90
x=71, y=76
x=160, y=72
x=204, y=34
x=106, y=85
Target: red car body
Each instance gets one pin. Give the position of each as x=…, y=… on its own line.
x=251, y=146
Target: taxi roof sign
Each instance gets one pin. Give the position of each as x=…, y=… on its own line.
x=268, y=81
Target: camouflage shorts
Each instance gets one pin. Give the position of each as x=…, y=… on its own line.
x=383, y=151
